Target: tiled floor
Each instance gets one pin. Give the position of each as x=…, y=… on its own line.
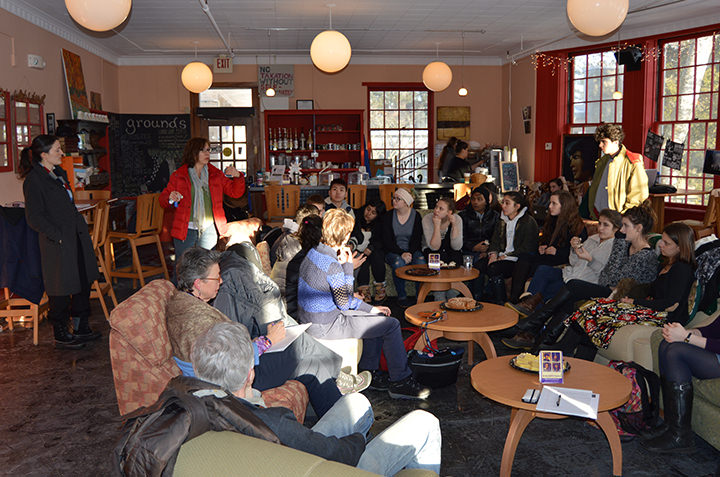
x=58, y=416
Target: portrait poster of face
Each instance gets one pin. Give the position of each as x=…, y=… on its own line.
x=579, y=153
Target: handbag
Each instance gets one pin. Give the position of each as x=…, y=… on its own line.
x=435, y=367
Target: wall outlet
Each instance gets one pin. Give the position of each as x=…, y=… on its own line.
x=548, y=146
x=36, y=61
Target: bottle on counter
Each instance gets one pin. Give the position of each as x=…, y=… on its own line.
x=310, y=139
x=302, y=140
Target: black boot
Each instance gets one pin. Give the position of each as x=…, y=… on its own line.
x=678, y=399
x=574, y=336
x=534, y=322
x=64, y=339
x=84, y=333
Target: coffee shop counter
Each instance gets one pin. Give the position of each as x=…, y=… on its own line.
x=427, y=195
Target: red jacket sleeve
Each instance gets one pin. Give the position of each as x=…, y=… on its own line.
x=234, y=187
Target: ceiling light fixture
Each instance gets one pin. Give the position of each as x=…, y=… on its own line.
x=196, y=76
x=99, y=15
x=617, y=94
x=270, y=91
x=463, y=90
x=437, y=76
x=330, y=51
x=597, y=17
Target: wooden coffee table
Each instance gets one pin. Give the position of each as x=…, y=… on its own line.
x=464, y=326
x=443, y=281
x=498, y=381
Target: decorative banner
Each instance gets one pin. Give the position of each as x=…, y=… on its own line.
x=75, y=82
x=279, y=77
x=653, y=146
x=673, y=155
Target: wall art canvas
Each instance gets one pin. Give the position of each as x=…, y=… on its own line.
x=673, y=155
x=579, y=153
x=75, y=82
x=453, y=121
x=653, y=146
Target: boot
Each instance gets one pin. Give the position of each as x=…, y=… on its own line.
x=678, y=399
x=380, y=294
x=84, y=333
x=522, y=340
x=574, y=336
x=534, y=322
x=527, y=305
x=64, y=339
x=364, y=290
x=495, y=290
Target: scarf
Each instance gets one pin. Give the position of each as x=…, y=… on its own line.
x=201, y=205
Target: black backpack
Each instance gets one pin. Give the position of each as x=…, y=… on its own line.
x=642, y=410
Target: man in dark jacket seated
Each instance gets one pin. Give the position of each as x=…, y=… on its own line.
x=224, y=356
x=250, y=297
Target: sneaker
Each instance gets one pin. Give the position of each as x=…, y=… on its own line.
x=408, y=388
x=66, y=340
x=522, y=340
x=380, y=293
x=380, y=381
x=87, y=335
x=348, y=383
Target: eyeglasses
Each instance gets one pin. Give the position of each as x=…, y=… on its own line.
x=219, y=279
x=396, y=198
x=206, y=149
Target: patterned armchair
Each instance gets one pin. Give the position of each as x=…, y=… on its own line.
x=142, y=360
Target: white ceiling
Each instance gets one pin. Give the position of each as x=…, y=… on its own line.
x=380, y=31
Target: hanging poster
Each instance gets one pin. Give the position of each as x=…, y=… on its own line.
x=580, y=151
x=281, y=78
x=75, y=82
x=673, y=155
x=712, y=162
x=453, y=121
x=653, y=146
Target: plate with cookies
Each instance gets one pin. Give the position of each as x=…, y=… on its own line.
x=461, y=304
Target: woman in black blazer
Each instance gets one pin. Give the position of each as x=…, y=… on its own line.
x=68, y=261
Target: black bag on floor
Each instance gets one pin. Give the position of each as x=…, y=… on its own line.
x=436, y=369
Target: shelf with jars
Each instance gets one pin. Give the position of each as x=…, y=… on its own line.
x=86, y=144
x=315, y=139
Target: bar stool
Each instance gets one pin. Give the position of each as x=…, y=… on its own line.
x=15, y=306
x=99, y=237
x=357, y=193
x=281, y=201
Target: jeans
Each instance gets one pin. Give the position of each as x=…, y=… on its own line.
x=206, y=239
x=375, y=263
x=395, y=261
x=413, y=441
x=547, y=281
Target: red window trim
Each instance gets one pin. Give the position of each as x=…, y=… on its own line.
x=9, y=134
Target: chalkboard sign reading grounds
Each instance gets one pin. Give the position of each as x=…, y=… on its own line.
x=145, y=150
x=509, y=179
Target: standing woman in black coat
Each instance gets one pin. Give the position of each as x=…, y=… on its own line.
x=68, y=261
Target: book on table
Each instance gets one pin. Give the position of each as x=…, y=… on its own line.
x=569, y=401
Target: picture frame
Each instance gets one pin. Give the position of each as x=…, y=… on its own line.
x=304, y=104
x=509, y=176
x=50, y=123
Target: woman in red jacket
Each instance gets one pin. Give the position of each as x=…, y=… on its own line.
x=196, y=190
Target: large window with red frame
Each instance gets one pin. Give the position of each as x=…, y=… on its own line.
x=28, y=123
x=688, y=109
x=594, y=78
x=6, y=163
x=400, y=128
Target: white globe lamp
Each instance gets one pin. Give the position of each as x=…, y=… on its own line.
x=597, y=17
x=330, y=51
x=99, y=15
x=196, y=77
x=463, y=91
x=437, y=76
x=270, y=92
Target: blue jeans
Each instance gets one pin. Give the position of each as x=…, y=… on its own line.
x=413, y=441
x=395, y=261
x=547, y=281
x=206, y=239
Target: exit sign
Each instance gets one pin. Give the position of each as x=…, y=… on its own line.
x=223, y=64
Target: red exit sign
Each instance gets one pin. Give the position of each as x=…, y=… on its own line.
x=223, y=64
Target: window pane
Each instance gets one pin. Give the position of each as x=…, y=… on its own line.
x=376, y=99
x=377, y=139
x=687, y=52
x=421, y=99
x=716, y=74
x=421, y=139
x=240, y=134
x=392, y=139
x=376, y=119
x=227, y=151
x=2, y=106
x=378, y=154
x=711, y=134
x=580, y=66
x=697, y=136
x=391, y=119
x=4, y=155
x=406, y=99
x=594, y=64
x=227, y=134
x=685, y=107
x=214, y=133
x=608, y=111
x=703, y=79
x=3, y=133
x=608, y=85
x=669, y=109
x=680, y=132
x=391, y=99
x=697, y=160
x=20, y=112
x=670, y=82
x=670, y=55
x=702, y=108
x=421, y=119
x=579, y=113
x=687, y=80
x=240, y=151
x=608, y=63
x=593, y=112
x=406, y=119
x=593, y=89
x=34, y=113
x=618, y=111
x=406, y=139
x=579, y=90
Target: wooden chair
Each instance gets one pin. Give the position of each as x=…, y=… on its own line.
x=387, y=191
x=91, y=195
x=147, y=231
x=15, y=307
x=710, y=223
x=357, y=194
x=281, y=201
x=99, y=237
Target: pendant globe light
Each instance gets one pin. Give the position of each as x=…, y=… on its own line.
x=330, y=51
x=437, y=76
x=270, y=91
x=99, y=15
x=196, y=76
x=597, y=17
x=463, y=90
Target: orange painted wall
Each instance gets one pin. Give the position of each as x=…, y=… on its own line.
x=100, y=76
x=519, y=91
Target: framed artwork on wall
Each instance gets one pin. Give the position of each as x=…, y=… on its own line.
x=304, y=104
x=453, y=121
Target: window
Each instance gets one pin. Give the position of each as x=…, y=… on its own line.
x=594, y=79
x=28, y=122
x=688, y=109
x=229, y=147
x=400, y=130
x=6, y=164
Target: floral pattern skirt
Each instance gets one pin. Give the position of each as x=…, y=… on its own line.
x=600, y=317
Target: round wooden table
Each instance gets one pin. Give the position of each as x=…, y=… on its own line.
x=470, y=326
x=443, y=281
x=496, y=380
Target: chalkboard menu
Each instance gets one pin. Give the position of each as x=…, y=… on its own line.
x=144, y=150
